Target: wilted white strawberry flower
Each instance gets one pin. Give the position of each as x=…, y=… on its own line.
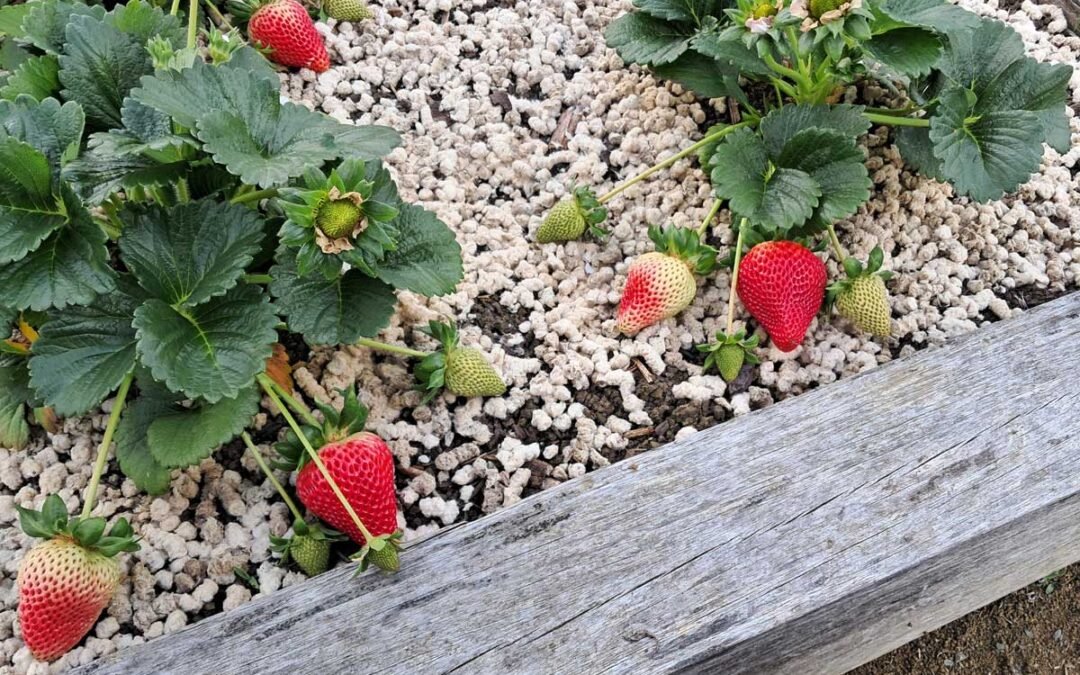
x=815, y=13
x=760, y=16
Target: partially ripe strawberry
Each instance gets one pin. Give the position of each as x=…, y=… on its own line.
x=658, y=287
x=363, y=467
x=782, y=284
x=66, y=581
x=661, y=284
x=284, y=28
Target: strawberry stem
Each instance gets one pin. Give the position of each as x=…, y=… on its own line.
x=709, y=218
x=896, y=121
x=392, y=349
x=301, y=409
x=257, y=278
x=270, y=476
x=175, y=9
x=841, y=254
x=216, y=16
x=254, y=196
x=715, y=136
x=268, y=386
x=106, y=443
x=735, y=276
x=193, y=23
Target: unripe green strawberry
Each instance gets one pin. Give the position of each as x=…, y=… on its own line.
x=469, y=374
x=730, y=360
x=465, y=371
x=564, y=222
x=730, y=353
x=312, y=555
x=865, y=302
x=347, y=10
x=338, y=218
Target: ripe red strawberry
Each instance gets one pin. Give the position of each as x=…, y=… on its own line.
x=66, y=581
x=782, y=284
x=284, y=28
x=661, y=284
x=363, y=467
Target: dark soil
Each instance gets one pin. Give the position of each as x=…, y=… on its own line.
x=1034, y=631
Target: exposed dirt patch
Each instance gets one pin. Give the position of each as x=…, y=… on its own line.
x=1031, y=631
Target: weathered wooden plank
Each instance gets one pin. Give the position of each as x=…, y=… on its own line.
x=806, y=538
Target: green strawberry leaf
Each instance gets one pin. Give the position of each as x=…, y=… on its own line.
x=279, y=144
x=362, y=142
x=38, y=77
x=773, y=197
x=70, y=267
x=14, y=392
x=46, y=22
x=210, y=351
x=647, y=40
x=99, y=67
x=427, y=259
x=11, y=19
x=985, y=155
x=29, y=209
x=725, y=44
x=185, y=436
x=910, y=52
x=331, y=311
x=55, y=130
x=84, y=352
x=693, y=11
x=782, y=125
x=142, y=21
x=201, y=90
x=189, y=253
x=702, y=74
x=133, y=448
x=836, y=165
x=918, y=150
x=936, y=15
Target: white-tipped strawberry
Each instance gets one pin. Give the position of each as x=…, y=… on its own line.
x=66, y=581
x=661, y=284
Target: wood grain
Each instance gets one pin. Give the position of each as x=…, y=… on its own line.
x=806, y=538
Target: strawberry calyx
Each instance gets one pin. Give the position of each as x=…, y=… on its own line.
x=855, y=269
x=303, y=533
x=430, y=372
x=381, y=552
x=592, y=210
x=338, y=219
x=685, y=244
x=336, y=426
x=728, y=353
x=53, y=522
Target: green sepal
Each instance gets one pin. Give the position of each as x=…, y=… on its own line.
x=430, y=372
x=728, y=353
x=381, y=552
x=592, y=210
x=53, y=521
x=292, y=455
x=685, y=244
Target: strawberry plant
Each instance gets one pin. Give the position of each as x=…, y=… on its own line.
x=970, y=109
